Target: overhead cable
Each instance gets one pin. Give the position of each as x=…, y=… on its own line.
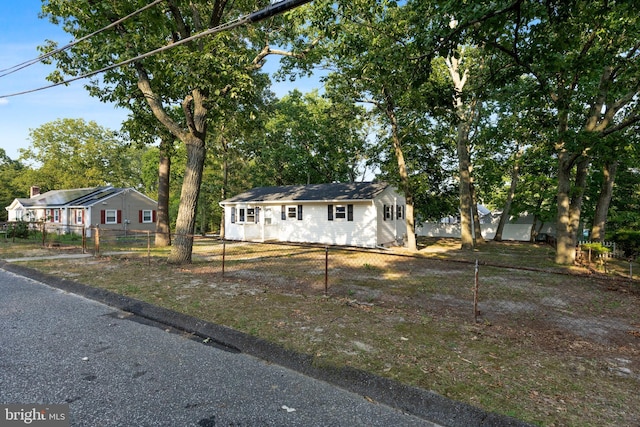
x=18, y=67
x=273, y=9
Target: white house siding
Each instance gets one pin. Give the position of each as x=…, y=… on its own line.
x=393, y=229
x=314, y=227
x=514, y=232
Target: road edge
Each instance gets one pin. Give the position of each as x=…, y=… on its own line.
x=412, y=400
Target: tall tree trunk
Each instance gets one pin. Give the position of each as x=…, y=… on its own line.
x=477, y=228
x=515, y=175
x=569, y=206
x=163, y=230
x=195, y=112
x=186, y=220
x=464, y=162
x=604, y=199
x=465, y=117
x=225, y=180
x=402, y=169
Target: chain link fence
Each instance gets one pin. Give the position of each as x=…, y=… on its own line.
x=513, y=299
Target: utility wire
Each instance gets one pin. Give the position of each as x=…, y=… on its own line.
x=272, y=10
x=41, y=58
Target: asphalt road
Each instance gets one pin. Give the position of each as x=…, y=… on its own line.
x=57, y=347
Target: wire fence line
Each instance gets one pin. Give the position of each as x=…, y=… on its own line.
x=505, y=299
x=472, y=291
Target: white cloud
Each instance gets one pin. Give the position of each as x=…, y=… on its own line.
x=4, y=101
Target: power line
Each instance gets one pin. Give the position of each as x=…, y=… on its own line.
x=41, y=58
x=272, y=10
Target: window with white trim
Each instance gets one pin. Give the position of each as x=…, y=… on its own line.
x=79, y=216
x=147, y=216
x=292, y=212
x=387, y=212
x=340, y=212
x=111, y=216
x=251, y=215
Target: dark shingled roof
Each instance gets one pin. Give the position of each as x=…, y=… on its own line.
x=312, y=192
x=73, y=197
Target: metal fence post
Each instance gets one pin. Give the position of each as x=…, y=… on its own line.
x=476, y=312
x=224, y=250
x=326, y=270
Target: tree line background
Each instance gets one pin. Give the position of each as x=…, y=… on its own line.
x=523, y=106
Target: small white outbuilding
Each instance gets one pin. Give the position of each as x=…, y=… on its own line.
x=364, y=214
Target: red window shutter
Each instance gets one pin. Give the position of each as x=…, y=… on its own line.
x=140, y=217
x=103, y=217
x=119, y=216
x=155, y=218
x=82, y=217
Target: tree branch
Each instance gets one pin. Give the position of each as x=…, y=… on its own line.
x=155, y=103
x=631, y=120
x=258, y=61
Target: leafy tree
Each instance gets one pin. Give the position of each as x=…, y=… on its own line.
x=10, y=170
x=583, y=57
x=144, y=129
x=375, y=59
x=308, y=139
x=204, y=77
x=72, y=153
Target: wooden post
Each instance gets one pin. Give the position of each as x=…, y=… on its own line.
x=84, y=240
x=96, y=246
x=148, y=247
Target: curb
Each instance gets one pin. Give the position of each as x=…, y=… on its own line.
x=412, y=400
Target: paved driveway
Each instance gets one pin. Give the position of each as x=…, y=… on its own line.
x=57, y=347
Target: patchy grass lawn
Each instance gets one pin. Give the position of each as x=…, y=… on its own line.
x=553, y=346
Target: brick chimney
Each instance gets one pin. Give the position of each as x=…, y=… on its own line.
x=34, y=191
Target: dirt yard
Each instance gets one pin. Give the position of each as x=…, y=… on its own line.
x=551, y=346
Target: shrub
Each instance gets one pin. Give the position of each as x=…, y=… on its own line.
x=629, y=242
x=596, y=248
x=18, y=230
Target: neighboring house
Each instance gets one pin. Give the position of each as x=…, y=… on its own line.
x=518, y=229
x=69, y=211
x=355, y=214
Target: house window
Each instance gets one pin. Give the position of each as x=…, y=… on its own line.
x=233, y=215
x=340, y=212
x=387, y=212
x=111, y=216
x=251, y=215
x=292, y=212
x=241, y=214
x=56, y=215
x=79, y=216
x=399, y=212
x=147, y=216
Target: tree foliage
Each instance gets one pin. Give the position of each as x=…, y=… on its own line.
x=308, y=139
x=73, y=153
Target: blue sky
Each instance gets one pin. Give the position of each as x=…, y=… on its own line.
x=21, y=31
